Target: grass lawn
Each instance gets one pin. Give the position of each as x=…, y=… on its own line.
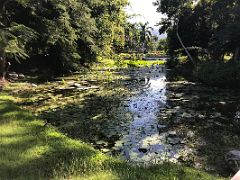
x=129, y=63
x=141, y=63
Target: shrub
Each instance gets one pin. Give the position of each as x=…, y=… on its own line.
x=219, y=74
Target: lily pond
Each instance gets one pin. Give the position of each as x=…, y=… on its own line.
x=143, y=115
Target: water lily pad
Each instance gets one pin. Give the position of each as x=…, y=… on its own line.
x=143, y=150
x=174, y=141
x=172, y=133
x=104, y=150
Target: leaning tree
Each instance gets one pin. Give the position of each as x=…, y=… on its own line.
x=174, y=9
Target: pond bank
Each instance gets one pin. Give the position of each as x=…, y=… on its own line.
x=104, y=115
x=30, y=149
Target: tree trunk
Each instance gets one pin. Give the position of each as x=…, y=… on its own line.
x=3, y=62
x=3, y=72
x=236, y=54
x=184, y=47
x=144, y=47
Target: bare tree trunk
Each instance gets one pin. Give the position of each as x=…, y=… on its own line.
x=4, y=65
x=184, y=47
x=236, y=54
x=3, y=72
x=3, y=61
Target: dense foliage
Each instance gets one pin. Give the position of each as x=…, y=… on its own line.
x=60, y=34
x=207, y=27
x=139, y=38
x=207, y=31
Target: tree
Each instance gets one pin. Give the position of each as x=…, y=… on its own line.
x=13, y=39
x=145, y=35
x=132, y=37
x=212, y=26
x=174, y=10
x=152, y=44
x=162, y=45
x=72, y=33
x=110, y=19
x=226, y=35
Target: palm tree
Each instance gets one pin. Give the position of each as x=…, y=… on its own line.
x=145, y=35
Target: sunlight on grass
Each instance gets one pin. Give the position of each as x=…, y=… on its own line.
x=142, y=63
x=109, y=63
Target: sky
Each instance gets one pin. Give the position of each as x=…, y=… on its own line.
x=147, y=12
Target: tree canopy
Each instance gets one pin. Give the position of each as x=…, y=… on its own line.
x=64, y=34
x=209, y=25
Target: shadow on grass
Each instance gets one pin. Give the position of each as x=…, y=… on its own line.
x=29, y=150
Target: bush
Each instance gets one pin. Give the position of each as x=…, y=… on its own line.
x=219, y=74
x=118, y=59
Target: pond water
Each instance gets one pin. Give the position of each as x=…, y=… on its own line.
x=177, y=121
x=149, y=116
x=147, y=141
x=144, y=143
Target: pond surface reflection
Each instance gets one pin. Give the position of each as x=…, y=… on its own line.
x=145, y=143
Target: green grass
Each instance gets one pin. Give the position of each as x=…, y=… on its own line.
x=183, y=59
x=29, y=149
x=142, y=63
x=109, y=63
